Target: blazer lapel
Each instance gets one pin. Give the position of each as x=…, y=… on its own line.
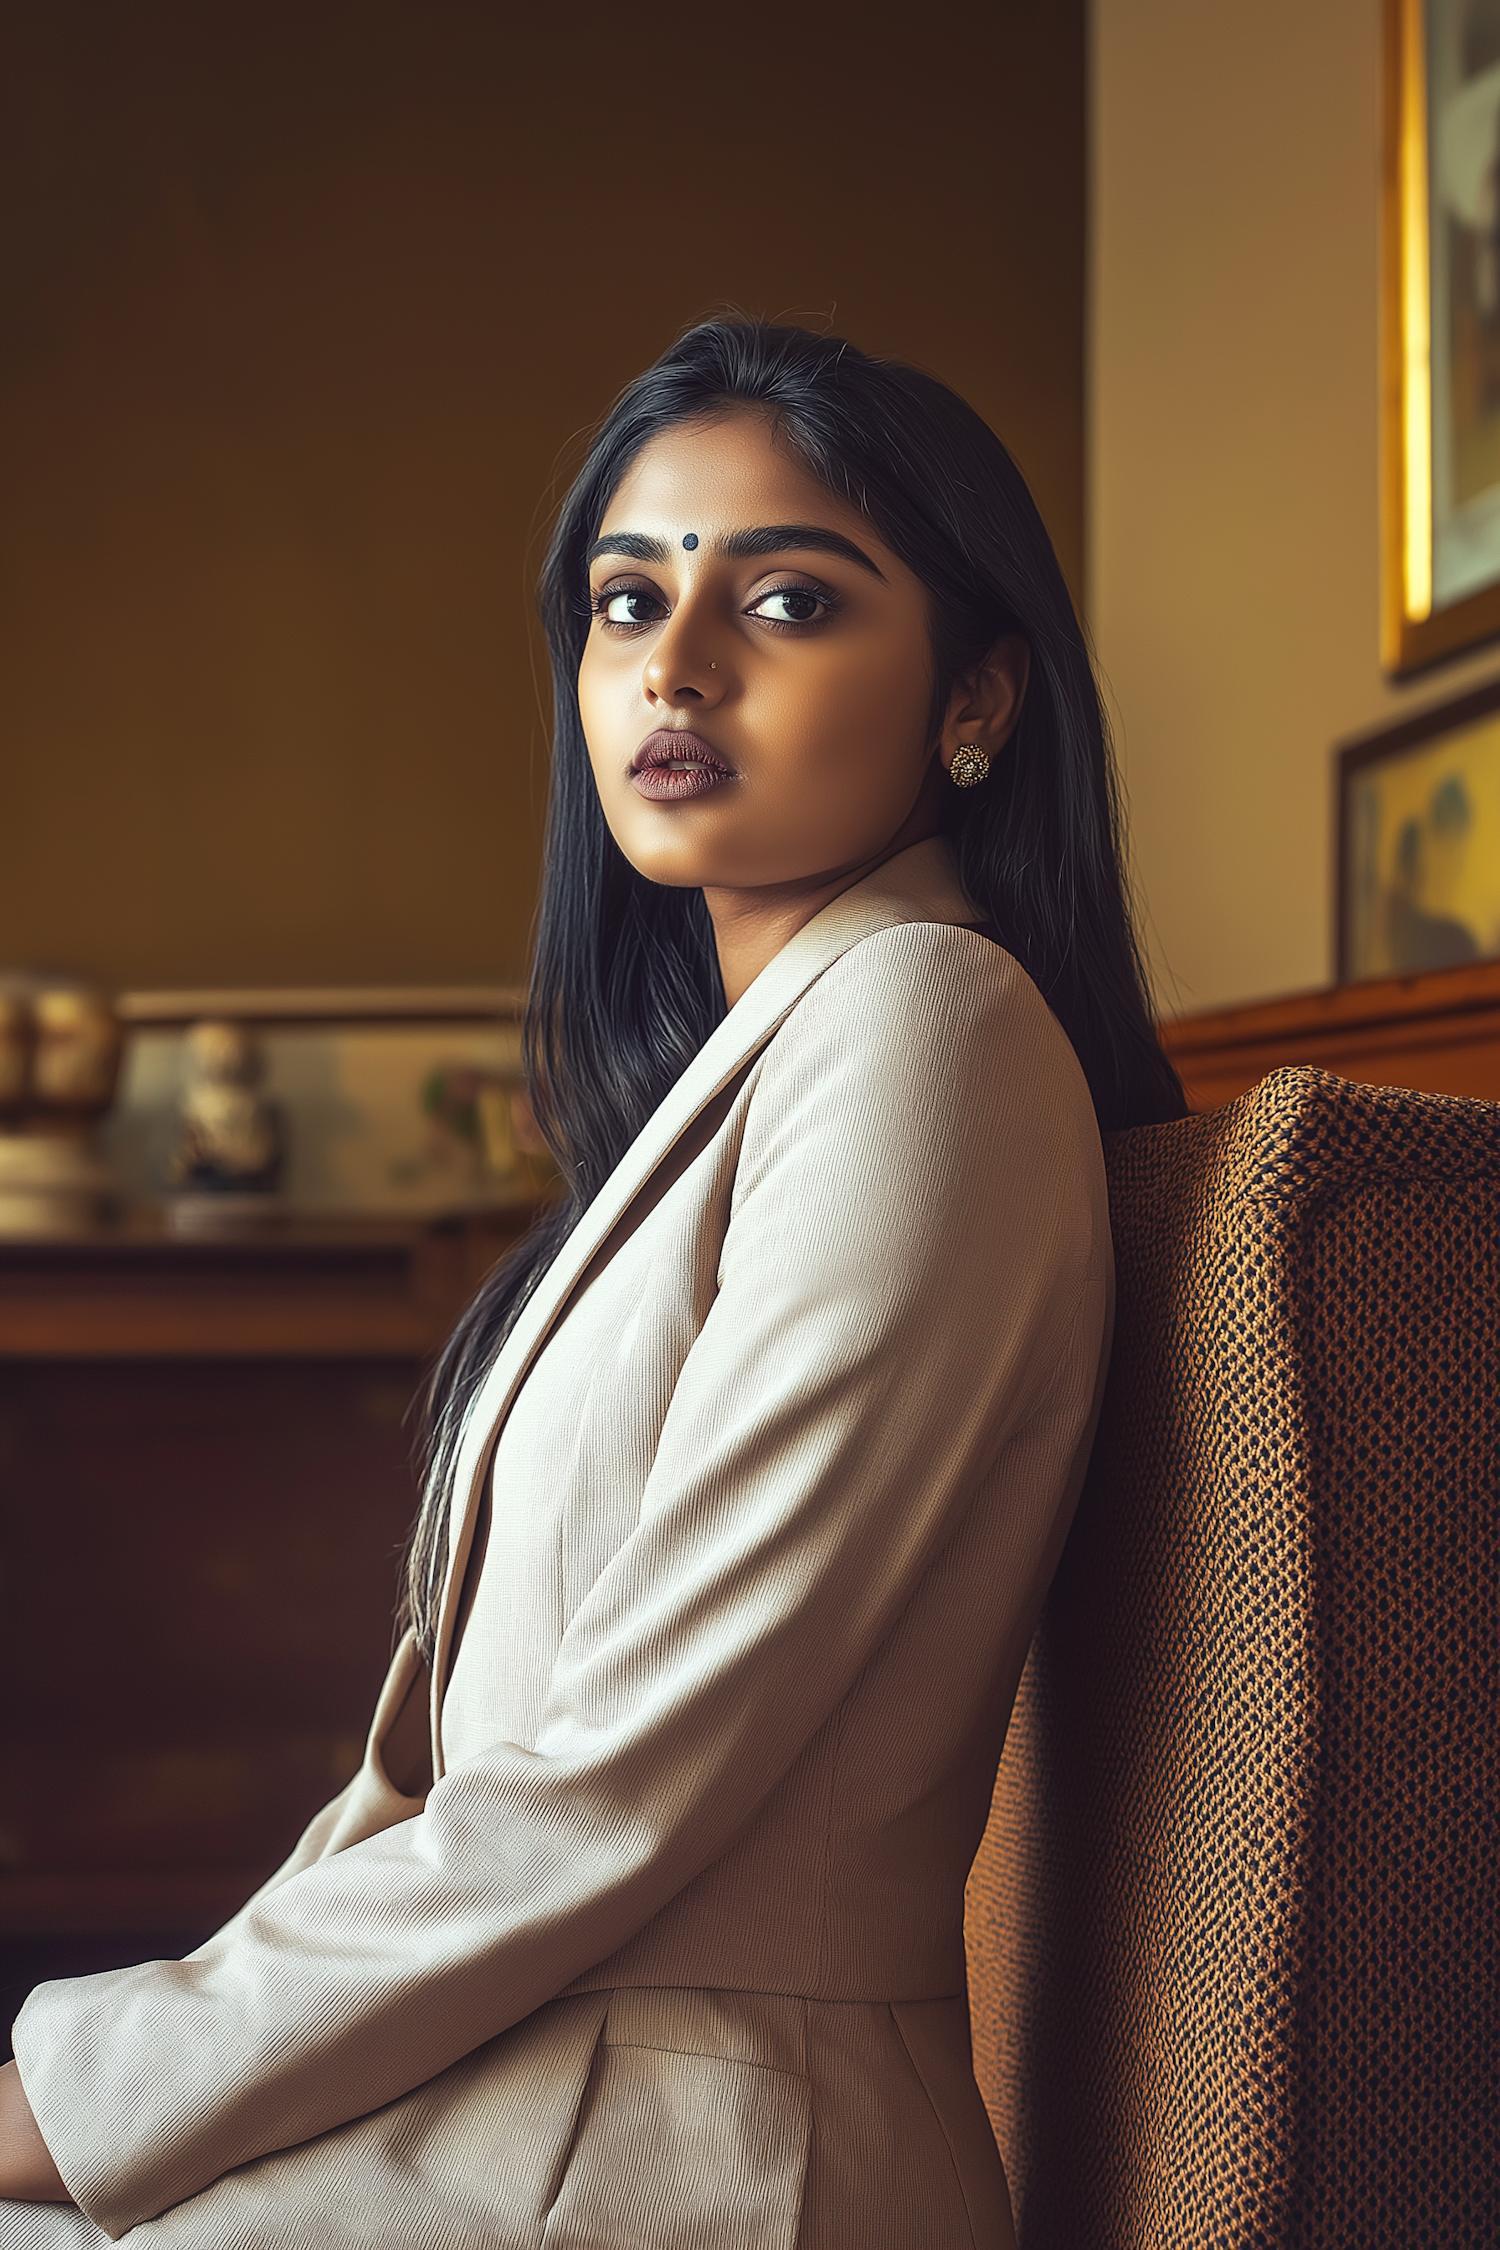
x=918, y=885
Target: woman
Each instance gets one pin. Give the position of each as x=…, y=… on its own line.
x=642, y=1922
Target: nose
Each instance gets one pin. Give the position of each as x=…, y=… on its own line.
x=680, y=668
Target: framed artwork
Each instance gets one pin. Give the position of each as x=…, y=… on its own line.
x=1440, y=330
x=1419, y=842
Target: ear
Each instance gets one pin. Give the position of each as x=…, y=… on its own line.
x=986, y=702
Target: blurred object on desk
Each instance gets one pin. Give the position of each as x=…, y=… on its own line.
x=76, y=1059
x=17, y=1038
x=226, y=1163
x=59, y=1060
x=482, y=1136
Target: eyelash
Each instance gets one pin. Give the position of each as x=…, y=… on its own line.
x=599, y=603
x=824, y=594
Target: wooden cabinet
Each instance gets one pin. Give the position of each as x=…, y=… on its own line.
x=205, y=1482
x=1438, y=1033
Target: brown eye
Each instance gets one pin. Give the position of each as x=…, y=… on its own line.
x=789, y=605
x=631, y=606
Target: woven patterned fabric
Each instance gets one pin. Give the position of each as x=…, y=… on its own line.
x=1233, y=1929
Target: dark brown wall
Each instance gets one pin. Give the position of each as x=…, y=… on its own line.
x=299, y=308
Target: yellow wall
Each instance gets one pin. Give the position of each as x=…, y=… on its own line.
x=299, y=306
x=1232, y=486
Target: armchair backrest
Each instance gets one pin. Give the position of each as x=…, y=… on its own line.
x=1234, y=1969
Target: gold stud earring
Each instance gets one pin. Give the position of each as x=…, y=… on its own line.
x=970, y=766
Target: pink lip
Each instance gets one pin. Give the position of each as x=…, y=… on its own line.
x=673, y=765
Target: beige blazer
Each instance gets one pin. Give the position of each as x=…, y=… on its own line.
x=754, y=1514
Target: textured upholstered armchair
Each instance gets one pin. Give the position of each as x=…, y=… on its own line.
x=1233, y=1930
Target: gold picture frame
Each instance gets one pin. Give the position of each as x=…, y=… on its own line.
x=1440, y=332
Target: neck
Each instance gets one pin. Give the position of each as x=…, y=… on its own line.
x=752, y=926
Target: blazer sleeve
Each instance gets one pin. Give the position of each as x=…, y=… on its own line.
x=916, y=1265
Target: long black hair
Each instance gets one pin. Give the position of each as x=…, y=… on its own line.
x=625, y=986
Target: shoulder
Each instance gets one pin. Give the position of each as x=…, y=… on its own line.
x=927, y=967
x=919, y=1128
x=925, y=1053
x=937, y=1008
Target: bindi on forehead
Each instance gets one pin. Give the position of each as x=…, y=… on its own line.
x=690, y=540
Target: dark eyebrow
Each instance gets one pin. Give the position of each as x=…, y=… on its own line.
x=633, y=544
x=764, y=539
x=778, y=538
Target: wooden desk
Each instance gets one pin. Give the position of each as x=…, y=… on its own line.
x=205, y=1481
x=284, y=1290
x=1438, y=1033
